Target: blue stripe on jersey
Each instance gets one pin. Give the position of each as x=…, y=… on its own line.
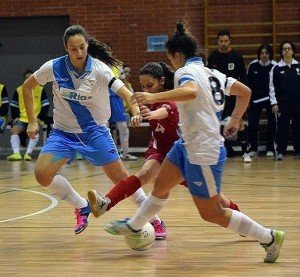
x=83, y=115
x=61, y=74
x=185, y=79
x=87, y=69
x=63, y=78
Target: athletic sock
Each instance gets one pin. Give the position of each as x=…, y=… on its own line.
x=123, y=189
x=32, y=144
x=150, y=207
x=61, y=188
x=244, y=225
x=15, y=143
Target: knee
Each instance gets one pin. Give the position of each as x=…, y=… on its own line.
x=145, y=176
x=213, y=215
x=42, y=177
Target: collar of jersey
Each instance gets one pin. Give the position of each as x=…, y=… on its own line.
x=283, y=63
x=88, y=67
x=194, y=60
x=264, y=64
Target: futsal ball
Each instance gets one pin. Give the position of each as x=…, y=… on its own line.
x=145, y=241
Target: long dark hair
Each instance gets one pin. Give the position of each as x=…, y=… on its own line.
x=96, y=49
x=157, y=71
x=268, y=48
x=183, y=41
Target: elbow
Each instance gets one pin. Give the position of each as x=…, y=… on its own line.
x=249, y=92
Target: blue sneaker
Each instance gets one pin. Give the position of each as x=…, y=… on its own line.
x=120, y=227
x=82, y=219
x=273, y=248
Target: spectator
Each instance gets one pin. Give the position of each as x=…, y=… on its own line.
x=258, y=78
x=119, y=118
x=125, y=76
x=20, y=119
x=4, y=106
x=285, y=98
x=231, y=63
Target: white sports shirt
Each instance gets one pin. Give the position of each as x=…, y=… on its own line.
x=80, y=101
x=199, y=118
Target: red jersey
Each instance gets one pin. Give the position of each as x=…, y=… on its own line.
x=164, y=131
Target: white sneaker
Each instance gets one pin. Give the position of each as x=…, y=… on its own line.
x=270, y=154
x=273, y=248
x=247, y=158
x=128, y=157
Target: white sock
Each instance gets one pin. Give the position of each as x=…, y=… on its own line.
x=32, y=144
x=15, y=143
x=138, y=197
x=124, y=136
x=61, y=188
x=150, y=207
x=244, y=225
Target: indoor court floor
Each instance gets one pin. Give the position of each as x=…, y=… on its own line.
x=37, y=232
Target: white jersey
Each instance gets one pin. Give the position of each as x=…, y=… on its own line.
x=80, y=101
x=199, y=118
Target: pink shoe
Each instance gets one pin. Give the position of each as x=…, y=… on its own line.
x=82, y=216
x=160, y=229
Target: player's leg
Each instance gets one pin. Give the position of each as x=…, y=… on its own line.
x=17, y=128
x=127, y=186
x=31, y=145
x=124, y=141
x=168, y=177
x=53, y=156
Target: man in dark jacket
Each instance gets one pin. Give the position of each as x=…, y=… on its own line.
x=230, y=63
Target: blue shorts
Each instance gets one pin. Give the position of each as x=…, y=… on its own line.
x=118, y=113
x=97, y=146
x=203, y=180
x=20, y=124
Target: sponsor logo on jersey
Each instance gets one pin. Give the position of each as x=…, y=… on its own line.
x=73, y=95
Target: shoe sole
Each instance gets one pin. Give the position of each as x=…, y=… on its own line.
x=93, y=203
x=13, y=160
x=280, y=244
x=111, y=231
x=160, y=237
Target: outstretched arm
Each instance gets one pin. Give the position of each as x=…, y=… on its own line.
x=185, y=93
x=33, y=126
x=126, y=95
